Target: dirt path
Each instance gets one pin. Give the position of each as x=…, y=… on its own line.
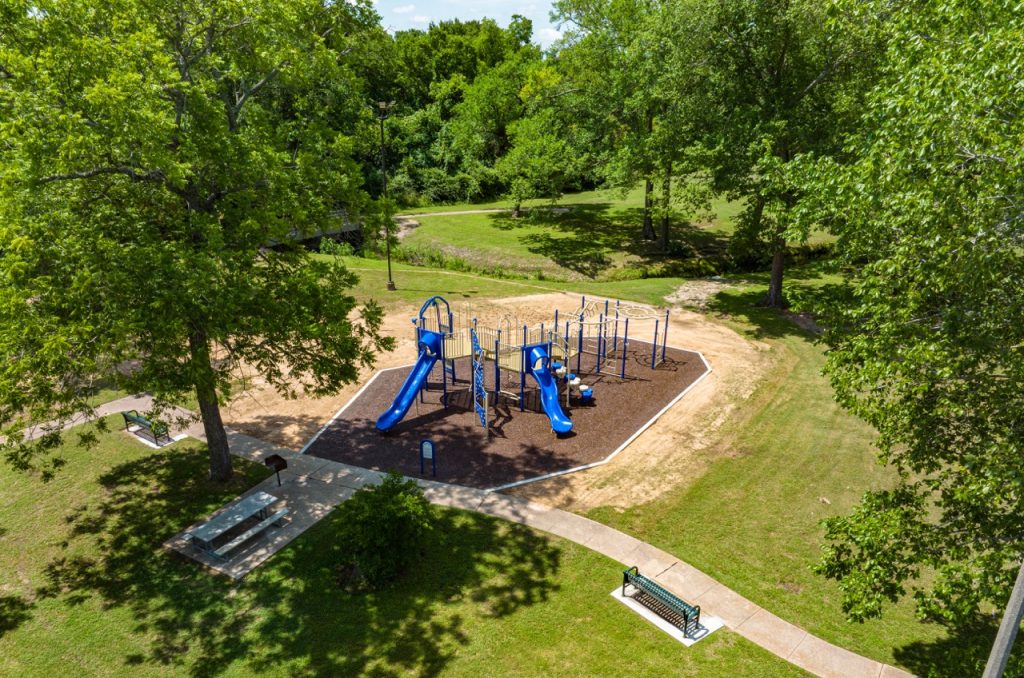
x=670, y=453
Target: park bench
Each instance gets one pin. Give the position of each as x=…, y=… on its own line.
x=671, y=608
x=156, y=430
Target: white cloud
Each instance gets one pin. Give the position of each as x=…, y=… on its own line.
x=548, y=35
x=404, y=9
x=421, y=19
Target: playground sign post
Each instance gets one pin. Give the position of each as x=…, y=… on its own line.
x=427, y=452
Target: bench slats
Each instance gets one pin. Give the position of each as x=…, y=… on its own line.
x=673, y=604
x=249, y=534
x=156, y=430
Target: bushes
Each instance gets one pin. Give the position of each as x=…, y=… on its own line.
x=384, y=529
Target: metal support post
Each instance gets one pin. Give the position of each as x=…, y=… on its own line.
x=1007, y=630
x=654, y=349
x=625, y=345
x=664, y=339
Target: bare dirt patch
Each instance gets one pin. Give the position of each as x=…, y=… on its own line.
x=672, y=453
x=405, y=226
x=697, y=293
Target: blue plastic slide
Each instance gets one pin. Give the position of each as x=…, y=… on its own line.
x=430, y=352
x=538, y=366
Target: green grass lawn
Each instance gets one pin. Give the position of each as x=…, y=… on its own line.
x=597, y=238
x=634, y=198
x=87, y=590
x=415, y=284
x=788, y=458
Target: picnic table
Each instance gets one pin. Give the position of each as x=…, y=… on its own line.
x=256, y=504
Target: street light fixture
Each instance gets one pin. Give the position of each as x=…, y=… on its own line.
x=382, y=109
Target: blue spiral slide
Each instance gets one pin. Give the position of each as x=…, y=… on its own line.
x=430, y=352
x=539, y=366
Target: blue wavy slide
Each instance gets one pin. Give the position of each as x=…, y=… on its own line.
x=539, y=367
x=430, y=352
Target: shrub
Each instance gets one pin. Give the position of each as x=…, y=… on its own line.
x=336, y=248
x=383, y=530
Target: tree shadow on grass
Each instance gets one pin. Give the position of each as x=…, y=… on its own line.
x=962, y=651
x=743, y=305
x=583, y=239
x=14, y=611
x=289, y=615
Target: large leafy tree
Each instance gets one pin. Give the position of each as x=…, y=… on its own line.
x=612, y=58
x=768, y=81
x=931, y=348
x=157, y=161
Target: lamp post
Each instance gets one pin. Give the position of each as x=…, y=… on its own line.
x=382, y=108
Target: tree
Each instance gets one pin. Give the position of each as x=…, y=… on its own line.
x=930, y=350
x=539, y=162
x=383, y=529
x=608, y=68
x=769, y=80
x=157, y=164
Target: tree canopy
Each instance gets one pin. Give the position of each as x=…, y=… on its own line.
x=157, y=164
x=930, y=347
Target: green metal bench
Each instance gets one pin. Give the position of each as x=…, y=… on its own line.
x=671, y=608
x=156, y=430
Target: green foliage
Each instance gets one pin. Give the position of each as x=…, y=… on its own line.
x=929, y=351
x=384, y=529
x=539, y=163
x=336, y=248
x=150, y=156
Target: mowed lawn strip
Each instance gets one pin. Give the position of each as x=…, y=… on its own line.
x=415, y=284
x=787, y=458
x=88, y=590
x=592, y=237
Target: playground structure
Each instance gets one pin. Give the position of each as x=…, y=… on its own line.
x=544, y=352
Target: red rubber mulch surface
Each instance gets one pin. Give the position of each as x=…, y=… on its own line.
x=520, y=445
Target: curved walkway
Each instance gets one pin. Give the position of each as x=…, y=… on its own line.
x=320, y=484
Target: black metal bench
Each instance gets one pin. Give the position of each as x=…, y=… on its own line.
x=156, y=430
x=671, y=608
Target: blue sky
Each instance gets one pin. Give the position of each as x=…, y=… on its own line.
x=397, y=15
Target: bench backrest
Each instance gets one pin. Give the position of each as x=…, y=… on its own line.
x=651, y=587
x=134, y=417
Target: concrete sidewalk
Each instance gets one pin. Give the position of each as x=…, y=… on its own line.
x=315, y=485
x=311, y=487
x=741, y=615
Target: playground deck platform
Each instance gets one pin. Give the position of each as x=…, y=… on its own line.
x=520, y=445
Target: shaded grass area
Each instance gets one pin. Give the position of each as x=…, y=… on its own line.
x=88, y=590
x=788, y=458
x=634, y=198
x=590, y=241
x=594, y=235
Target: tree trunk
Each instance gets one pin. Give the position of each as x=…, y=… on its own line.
x=774, y=298
x=648, y=203
x=649, y=191
x=666, y=189
x=517, y=211
x=209, y=407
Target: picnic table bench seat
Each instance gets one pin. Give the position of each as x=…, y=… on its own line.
x=224, y=550
x=667, y=605
x=156, y=430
